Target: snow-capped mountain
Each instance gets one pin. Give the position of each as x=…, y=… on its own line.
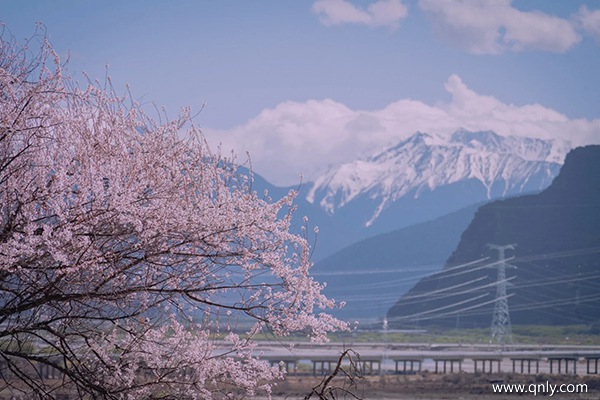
x=501, y=166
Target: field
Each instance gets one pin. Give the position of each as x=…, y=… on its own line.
x=572, y=335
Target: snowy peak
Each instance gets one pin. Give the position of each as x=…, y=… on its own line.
x=425, y=162
x=528, y=149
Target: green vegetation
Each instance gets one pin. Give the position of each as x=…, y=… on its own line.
x=522, y=334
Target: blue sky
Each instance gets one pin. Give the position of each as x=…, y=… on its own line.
x=305, y=84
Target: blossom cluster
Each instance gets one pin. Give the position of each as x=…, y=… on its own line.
x=129, y=250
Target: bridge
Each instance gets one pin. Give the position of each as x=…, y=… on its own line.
x=381, y=358
x=302, y=358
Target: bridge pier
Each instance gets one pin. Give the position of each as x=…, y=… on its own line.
x=321, y=367
x=46, y=371
x=589, y=361
x=370, y=367
x=289, y=366
x=490, y=364
x=567, y=361
x=406, y=363
x=448, y=362
x=4, y=371
x=485, y=363
x=525, y=361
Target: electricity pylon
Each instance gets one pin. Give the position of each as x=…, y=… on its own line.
x=501, y=329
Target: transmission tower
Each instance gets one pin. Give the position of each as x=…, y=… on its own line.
x=501, y=330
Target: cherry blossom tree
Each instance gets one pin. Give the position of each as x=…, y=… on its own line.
x=129, y=249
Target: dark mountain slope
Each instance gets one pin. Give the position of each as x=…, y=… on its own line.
x=369, y=274
x=557, y=279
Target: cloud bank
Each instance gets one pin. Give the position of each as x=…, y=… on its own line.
x=495, y=26
x=294, y=139
x=380, y=13
x=590, y=22
x=475, y=26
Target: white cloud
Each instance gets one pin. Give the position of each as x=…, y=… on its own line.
x=380, y=13
x=305, y=138
x=590, y=21
x=495, y=26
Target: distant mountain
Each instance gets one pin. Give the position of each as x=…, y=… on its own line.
x=369, y=274
x=425, y=162
x=427, y=176
x=420, y=179
x=557, y=258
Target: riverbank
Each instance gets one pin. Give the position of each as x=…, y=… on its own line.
x=464, y=386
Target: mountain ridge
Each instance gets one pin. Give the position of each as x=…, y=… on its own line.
x=556, y=280
x=374, y=195
x=425, y=162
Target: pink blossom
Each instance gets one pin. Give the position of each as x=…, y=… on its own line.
x=128, y=247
